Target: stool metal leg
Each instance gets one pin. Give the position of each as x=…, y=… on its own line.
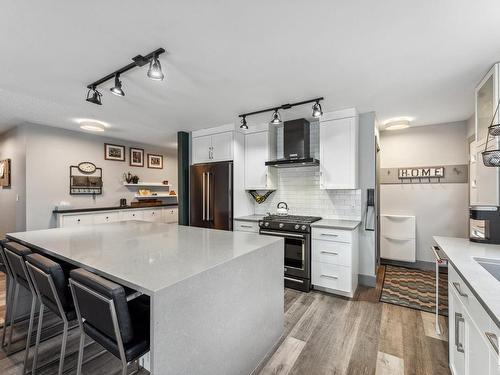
x=80, y=351
x=11, y=325
x=63, y=346
x=8, y=306
x=30, y=330
x=38, y=335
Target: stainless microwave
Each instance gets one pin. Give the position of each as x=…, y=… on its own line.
x=484, y=224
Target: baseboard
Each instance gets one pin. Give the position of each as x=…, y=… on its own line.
x=367, y=280
x=419, y=264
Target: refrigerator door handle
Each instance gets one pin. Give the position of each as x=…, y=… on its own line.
x=208, y=196
x=204, y=196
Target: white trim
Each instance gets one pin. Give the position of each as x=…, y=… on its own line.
x=336, y=115
x=215, y=130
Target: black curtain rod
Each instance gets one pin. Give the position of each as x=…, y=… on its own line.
x=139, y=60
x=283, y=106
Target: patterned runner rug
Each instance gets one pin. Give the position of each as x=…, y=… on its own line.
x=415, y=289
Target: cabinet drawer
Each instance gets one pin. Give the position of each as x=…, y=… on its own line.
x=106, y=217
x=170, y=215
x=153, y=215
x=328, y=234
x=332, y=276
x=74, y=220
x=332, y=252
x=132, y=215
x=246, y=226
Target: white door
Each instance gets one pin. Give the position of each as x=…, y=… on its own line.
x=338, y=154
x=256, y=155
x=222, y=146
x=477, y=348
x=201, y=149
x=456, y=337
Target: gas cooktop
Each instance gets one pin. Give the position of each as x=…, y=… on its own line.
x=291, y=219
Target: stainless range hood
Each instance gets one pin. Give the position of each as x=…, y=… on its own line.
x=296, y=146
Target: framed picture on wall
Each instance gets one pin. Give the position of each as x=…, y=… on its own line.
x=136, y=157
x=114, y=152
x=155, y=161
x=5, y=173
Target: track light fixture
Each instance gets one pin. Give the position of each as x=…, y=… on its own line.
x=117, y=88
x=95, y=98
x=244, y=123
x=317, y=112
x=154, y=72
x=276, y=118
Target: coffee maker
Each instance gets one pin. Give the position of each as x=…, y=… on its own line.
x=484, y=224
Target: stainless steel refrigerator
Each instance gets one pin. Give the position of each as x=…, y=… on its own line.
x=211, y=195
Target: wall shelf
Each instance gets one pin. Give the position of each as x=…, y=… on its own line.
x=147, y=184
x=159, y=195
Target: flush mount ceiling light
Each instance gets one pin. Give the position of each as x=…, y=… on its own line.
x=276, y=118
x=91, y=125
x=154, y=72
x=397, y=125
x=244, y=123
x=117, y=88
x=317, y=112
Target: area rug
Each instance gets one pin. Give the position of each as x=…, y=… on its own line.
x=415, y=289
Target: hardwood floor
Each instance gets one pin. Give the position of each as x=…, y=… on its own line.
x=330, y=335
x=323, y=335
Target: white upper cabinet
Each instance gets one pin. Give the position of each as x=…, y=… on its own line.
x=339, y=151
x=487, y=179
x=257, y=174
x=212, y=147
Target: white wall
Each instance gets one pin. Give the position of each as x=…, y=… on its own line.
x=50, y=152
x=12, y=199
x=440, y=209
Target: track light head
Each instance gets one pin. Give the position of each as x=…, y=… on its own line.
x=244, y=123
x=317, y=111
x=154, y=71
x=117, y=88
x=95, y=98
x=276, y=119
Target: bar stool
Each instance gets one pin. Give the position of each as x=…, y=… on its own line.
x=16, y=255
x=105, y=315
x=5, y=268
x=52, y=290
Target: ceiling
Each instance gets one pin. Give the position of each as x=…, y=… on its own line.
x=397, y=57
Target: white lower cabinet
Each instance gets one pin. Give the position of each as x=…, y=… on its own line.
x=154, y=215
x=471, y=351
x=131, y=215
x=75, y=220
x=334, y=266
x=246, y=226
x=106, y=217
x=171, y=215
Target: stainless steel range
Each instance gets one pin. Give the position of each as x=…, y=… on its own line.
x=296, y=230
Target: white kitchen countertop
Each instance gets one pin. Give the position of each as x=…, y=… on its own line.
x=144, y=256
x=336, y=223
x=250, y=218
x=460, y=252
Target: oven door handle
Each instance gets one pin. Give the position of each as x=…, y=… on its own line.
x=282, y=234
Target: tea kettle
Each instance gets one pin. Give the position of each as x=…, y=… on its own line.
x=282, y=209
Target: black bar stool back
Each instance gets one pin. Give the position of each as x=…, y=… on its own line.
x=5, y=268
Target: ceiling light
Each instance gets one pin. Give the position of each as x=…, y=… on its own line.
x=397, y=125
x=95, y=97
x=92, y=127
x=154, y=71
x=276, y=119
x=117, y=88
x=317, y=112
x=244, y=123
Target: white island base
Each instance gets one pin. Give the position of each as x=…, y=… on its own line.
x=216, y=296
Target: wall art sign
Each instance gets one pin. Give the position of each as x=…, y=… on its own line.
x=136, y=157
x=155, y=161
x=114, y=152
x=430, y=172
x=85, y=179
x=5, y=173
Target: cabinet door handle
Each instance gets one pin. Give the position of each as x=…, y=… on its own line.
x=329, y=252
x=458, y=318
x=329, y=235
x=330, y=276
x=459, y=289
x=245, y=226
x=493, y=339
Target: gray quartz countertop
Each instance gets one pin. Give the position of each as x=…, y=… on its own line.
x=337, y=224
x=250, y=218
x=144, y=256
x=461, y=253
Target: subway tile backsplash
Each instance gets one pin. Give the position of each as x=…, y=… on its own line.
x=299, y=188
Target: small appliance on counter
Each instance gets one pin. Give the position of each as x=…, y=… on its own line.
x=484, y=224
x=123, y=202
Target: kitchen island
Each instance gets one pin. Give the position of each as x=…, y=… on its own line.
x=216, y=296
